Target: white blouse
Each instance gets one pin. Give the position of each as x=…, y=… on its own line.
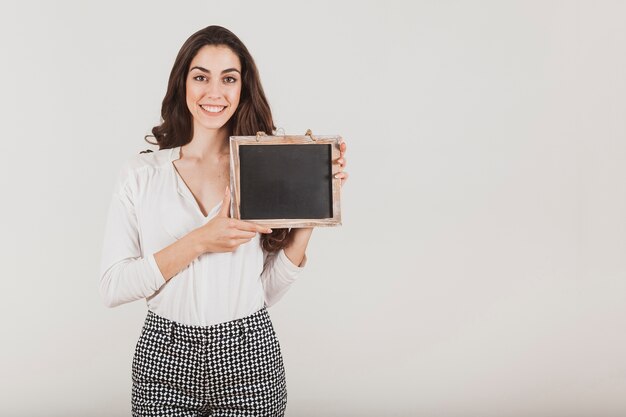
x=150, y=209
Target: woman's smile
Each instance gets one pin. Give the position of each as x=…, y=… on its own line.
x=212, y=110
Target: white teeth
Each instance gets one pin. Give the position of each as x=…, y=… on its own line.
x=213, y=109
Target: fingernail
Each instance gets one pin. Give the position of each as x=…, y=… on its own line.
x=269, y=230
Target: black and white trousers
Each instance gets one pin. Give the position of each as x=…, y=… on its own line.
x=228, y=369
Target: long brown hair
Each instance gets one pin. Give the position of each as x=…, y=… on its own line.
x=252, y=115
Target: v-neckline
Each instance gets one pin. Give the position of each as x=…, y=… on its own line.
x=184, y=189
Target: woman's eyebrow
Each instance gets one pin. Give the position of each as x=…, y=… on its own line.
x=208, y=72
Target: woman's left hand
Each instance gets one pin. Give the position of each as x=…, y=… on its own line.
x=340, y=164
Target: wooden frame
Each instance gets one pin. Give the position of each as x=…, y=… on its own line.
x=236, y=142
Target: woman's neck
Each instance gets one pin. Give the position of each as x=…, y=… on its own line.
x=207, y=145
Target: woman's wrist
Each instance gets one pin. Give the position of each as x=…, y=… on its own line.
x=197, y=242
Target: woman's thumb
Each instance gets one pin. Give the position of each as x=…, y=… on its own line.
x=225, y=209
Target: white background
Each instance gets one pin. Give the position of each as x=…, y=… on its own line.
x=481, y=267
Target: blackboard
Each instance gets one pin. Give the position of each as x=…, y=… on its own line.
x=285, y=181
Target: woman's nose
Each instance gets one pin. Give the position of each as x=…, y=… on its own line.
x=213, y=89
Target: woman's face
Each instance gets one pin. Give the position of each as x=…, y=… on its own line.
x=213, y=87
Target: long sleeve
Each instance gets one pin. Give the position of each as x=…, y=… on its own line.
x=278, y=275
x=124, y=274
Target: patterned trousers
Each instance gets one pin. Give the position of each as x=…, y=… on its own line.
x=228, y=369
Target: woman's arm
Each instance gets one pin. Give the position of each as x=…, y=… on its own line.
x=126, y=274
x=281, y=268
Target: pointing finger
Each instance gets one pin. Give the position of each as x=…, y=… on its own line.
x=252, y=227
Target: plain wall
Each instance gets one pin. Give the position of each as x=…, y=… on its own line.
x=480, y=269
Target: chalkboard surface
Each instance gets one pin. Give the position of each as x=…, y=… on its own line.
x=286, y=181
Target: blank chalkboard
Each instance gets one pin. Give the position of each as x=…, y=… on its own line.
x=285, y=181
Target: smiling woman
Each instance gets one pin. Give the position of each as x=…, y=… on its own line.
x=207, y=345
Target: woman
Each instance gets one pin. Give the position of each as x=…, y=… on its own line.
x=207, y=346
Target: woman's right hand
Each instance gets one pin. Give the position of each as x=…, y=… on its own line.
x=223, y=234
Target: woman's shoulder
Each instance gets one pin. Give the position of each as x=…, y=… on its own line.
x=143, y=165
x=150, y=158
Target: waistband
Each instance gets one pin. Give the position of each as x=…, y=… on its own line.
x=192, y=333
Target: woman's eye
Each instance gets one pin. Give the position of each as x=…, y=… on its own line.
x=230, y=80
x=199, y=78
